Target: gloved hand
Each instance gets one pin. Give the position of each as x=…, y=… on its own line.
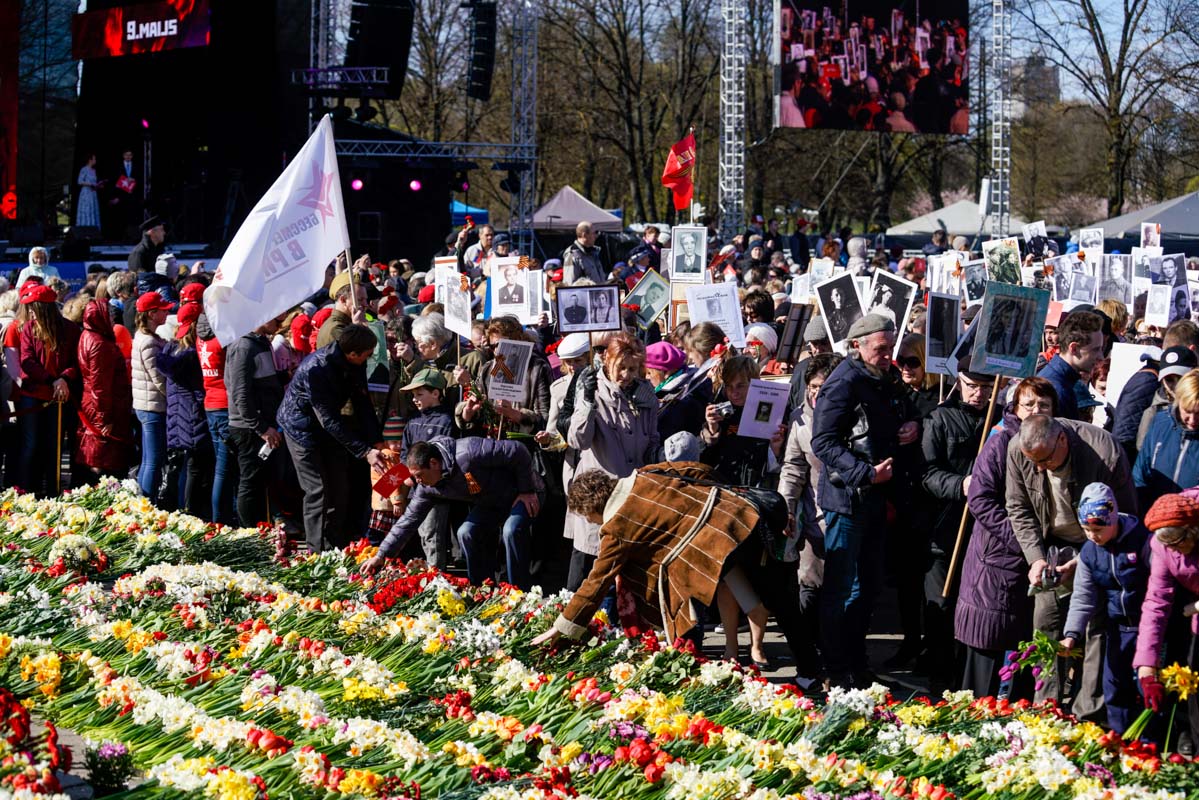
x=1154, y=692
x=590, y=381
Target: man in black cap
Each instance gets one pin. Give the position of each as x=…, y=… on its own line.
x=862, y=420
x=146, y=252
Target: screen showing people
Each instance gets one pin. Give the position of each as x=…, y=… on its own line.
x=880, y=66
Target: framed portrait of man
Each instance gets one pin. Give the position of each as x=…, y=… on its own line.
x=506, y=376
x=688, y=253
x=719, y=304
x=651, y=295
x=509, y=290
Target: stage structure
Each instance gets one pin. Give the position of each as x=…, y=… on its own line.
x=1001, y=118
x=733, y=63
x=518, y=156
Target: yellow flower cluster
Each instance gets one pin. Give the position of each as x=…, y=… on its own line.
x=357, y=689
x=450, y=603
x=361, y=782
x=45, y=669
x=465, y=754
x=5, y=646
x=919, y=715
x=1180, y=680
x=229, y=784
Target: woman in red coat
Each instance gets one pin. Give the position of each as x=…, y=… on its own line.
x=105, y=410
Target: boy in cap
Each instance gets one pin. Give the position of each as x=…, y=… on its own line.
x=1113, y=569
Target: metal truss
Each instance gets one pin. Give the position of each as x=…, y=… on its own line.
x=360, y=81
x=518, y=155
x=523, y=202
x=733, y=63
x=1001, y=118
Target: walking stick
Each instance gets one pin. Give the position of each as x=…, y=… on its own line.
x=957, y=544
x=58, y=455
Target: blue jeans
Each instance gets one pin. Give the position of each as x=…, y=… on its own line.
x=154, y=448
x=478, y=539
x=222, y=498
x=853, y=575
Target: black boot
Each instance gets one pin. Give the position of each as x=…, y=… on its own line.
x=172, y=471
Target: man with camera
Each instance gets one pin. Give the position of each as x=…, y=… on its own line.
x=863, y=420
x=1049, y=463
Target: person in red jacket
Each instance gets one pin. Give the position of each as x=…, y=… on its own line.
x=50, y=376
x=216, y=409
x=105, y=432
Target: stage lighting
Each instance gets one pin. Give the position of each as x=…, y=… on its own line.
x=414, y=185
x=365, y=112
x=461, y=183
x=146, y=124
x=356, y=184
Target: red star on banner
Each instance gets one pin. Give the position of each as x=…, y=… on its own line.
x=318, y=194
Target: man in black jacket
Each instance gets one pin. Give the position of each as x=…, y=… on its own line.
x=255, y=390
x=330, y=450
x=951, y=438
x=862, y=420
x=146, y=252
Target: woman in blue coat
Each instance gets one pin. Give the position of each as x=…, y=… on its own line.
x=1168, y=461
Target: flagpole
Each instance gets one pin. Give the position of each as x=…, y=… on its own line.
x=694, y=174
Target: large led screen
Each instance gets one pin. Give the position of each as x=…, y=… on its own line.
x=141, y=28
x=860, y=65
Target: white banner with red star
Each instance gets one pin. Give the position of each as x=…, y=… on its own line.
x=280, y=253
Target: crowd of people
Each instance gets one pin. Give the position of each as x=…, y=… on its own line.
x=1051, y=511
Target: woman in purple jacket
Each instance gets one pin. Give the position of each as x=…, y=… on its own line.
x=1174, y=565
x=994, y=611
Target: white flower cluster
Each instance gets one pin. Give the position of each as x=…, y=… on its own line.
x=860, y=701
x=195, y=583
x=478, y=637
x=716, y=673
x=512, y=676
x=364, y=735
x=688, y=781
x=87, y=603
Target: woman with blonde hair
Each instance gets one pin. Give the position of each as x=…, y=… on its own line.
x=1168, y=460
x=923, y=385
x=150, y=389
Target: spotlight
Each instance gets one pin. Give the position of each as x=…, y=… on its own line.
x=365, y=112
x=146, y=124
x=356, y=184
x=414, y=185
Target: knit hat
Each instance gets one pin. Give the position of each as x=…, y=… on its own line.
x=682, y=446
x=1173, y=510
x=427, y=294
x=815, y=331
x=761, y=332
x=393, y=429
x=574, y=345
x=871, y=323
x=320, y=317
x=663, y=356
x=301, y=333
x=1098, y=505
x=166, y=265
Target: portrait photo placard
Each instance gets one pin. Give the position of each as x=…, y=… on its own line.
x=1009, y=334
x=764, y=408
x=651, y=295
x=1151, y=234
x=582, y=309
x=891, y=297
x=508, y=289
x=1169, y=270
x=506, y=373
x=840, y=308
x=688, y=253
x=1003, y=260
x=965, y=345
x=445, y=269
x=458, y=305
x=974, y=274
x=717, y=303
x=942, y=329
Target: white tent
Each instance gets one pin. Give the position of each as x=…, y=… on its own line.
x=958, y=219
x=1178, y=216
x=568, y=208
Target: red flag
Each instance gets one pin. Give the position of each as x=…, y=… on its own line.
x=677, y=175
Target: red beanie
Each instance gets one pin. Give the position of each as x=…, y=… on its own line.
x=1173, y=511
x=427, y=294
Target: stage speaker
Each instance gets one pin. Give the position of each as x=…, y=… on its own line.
x=482, y=49
x=381, y=36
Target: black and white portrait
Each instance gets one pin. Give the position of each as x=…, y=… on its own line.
x=975, y=273
x=1180, y=303
x=506, y=377
x=689, y=245
x=1089, y=240
x=1170, y=270
x=1116, y=283
x=511, y=291
x=839, y=306
x=1151, y=234
x=588, y=308
x=1082, y=287
x=507, y=289
x=1010, y=330
x=651, y=295
x=891, y=297
x=1063, y=274
x=1157, y=306
x=942, y=329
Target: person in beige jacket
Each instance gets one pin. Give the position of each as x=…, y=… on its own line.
x=150, y=389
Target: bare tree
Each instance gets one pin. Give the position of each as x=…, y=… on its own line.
x=1125, y=58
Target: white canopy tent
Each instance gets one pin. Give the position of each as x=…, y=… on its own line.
x=958, y=219
x=568, y=208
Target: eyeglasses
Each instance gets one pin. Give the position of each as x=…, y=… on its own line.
x=969, y=384
x=1036, y=405
x=910, y=362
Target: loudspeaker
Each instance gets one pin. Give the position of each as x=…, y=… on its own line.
x=381, y=36
x=482, y=49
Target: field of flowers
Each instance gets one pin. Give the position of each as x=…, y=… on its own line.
x=222, y=668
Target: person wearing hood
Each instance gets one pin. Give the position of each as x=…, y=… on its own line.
x=1165, y=463
x=145, y=254
x=1113, y=572
x=994, y=612
x=104, y=438
x=39, y=267
x=857, y=263
x=494, y=478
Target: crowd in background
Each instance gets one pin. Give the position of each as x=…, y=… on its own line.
x=299, y=422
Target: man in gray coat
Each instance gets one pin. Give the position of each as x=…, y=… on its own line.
x=582, y=258
x=1049, y=463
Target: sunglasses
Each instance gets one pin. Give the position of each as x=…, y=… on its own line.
x=911, y=362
